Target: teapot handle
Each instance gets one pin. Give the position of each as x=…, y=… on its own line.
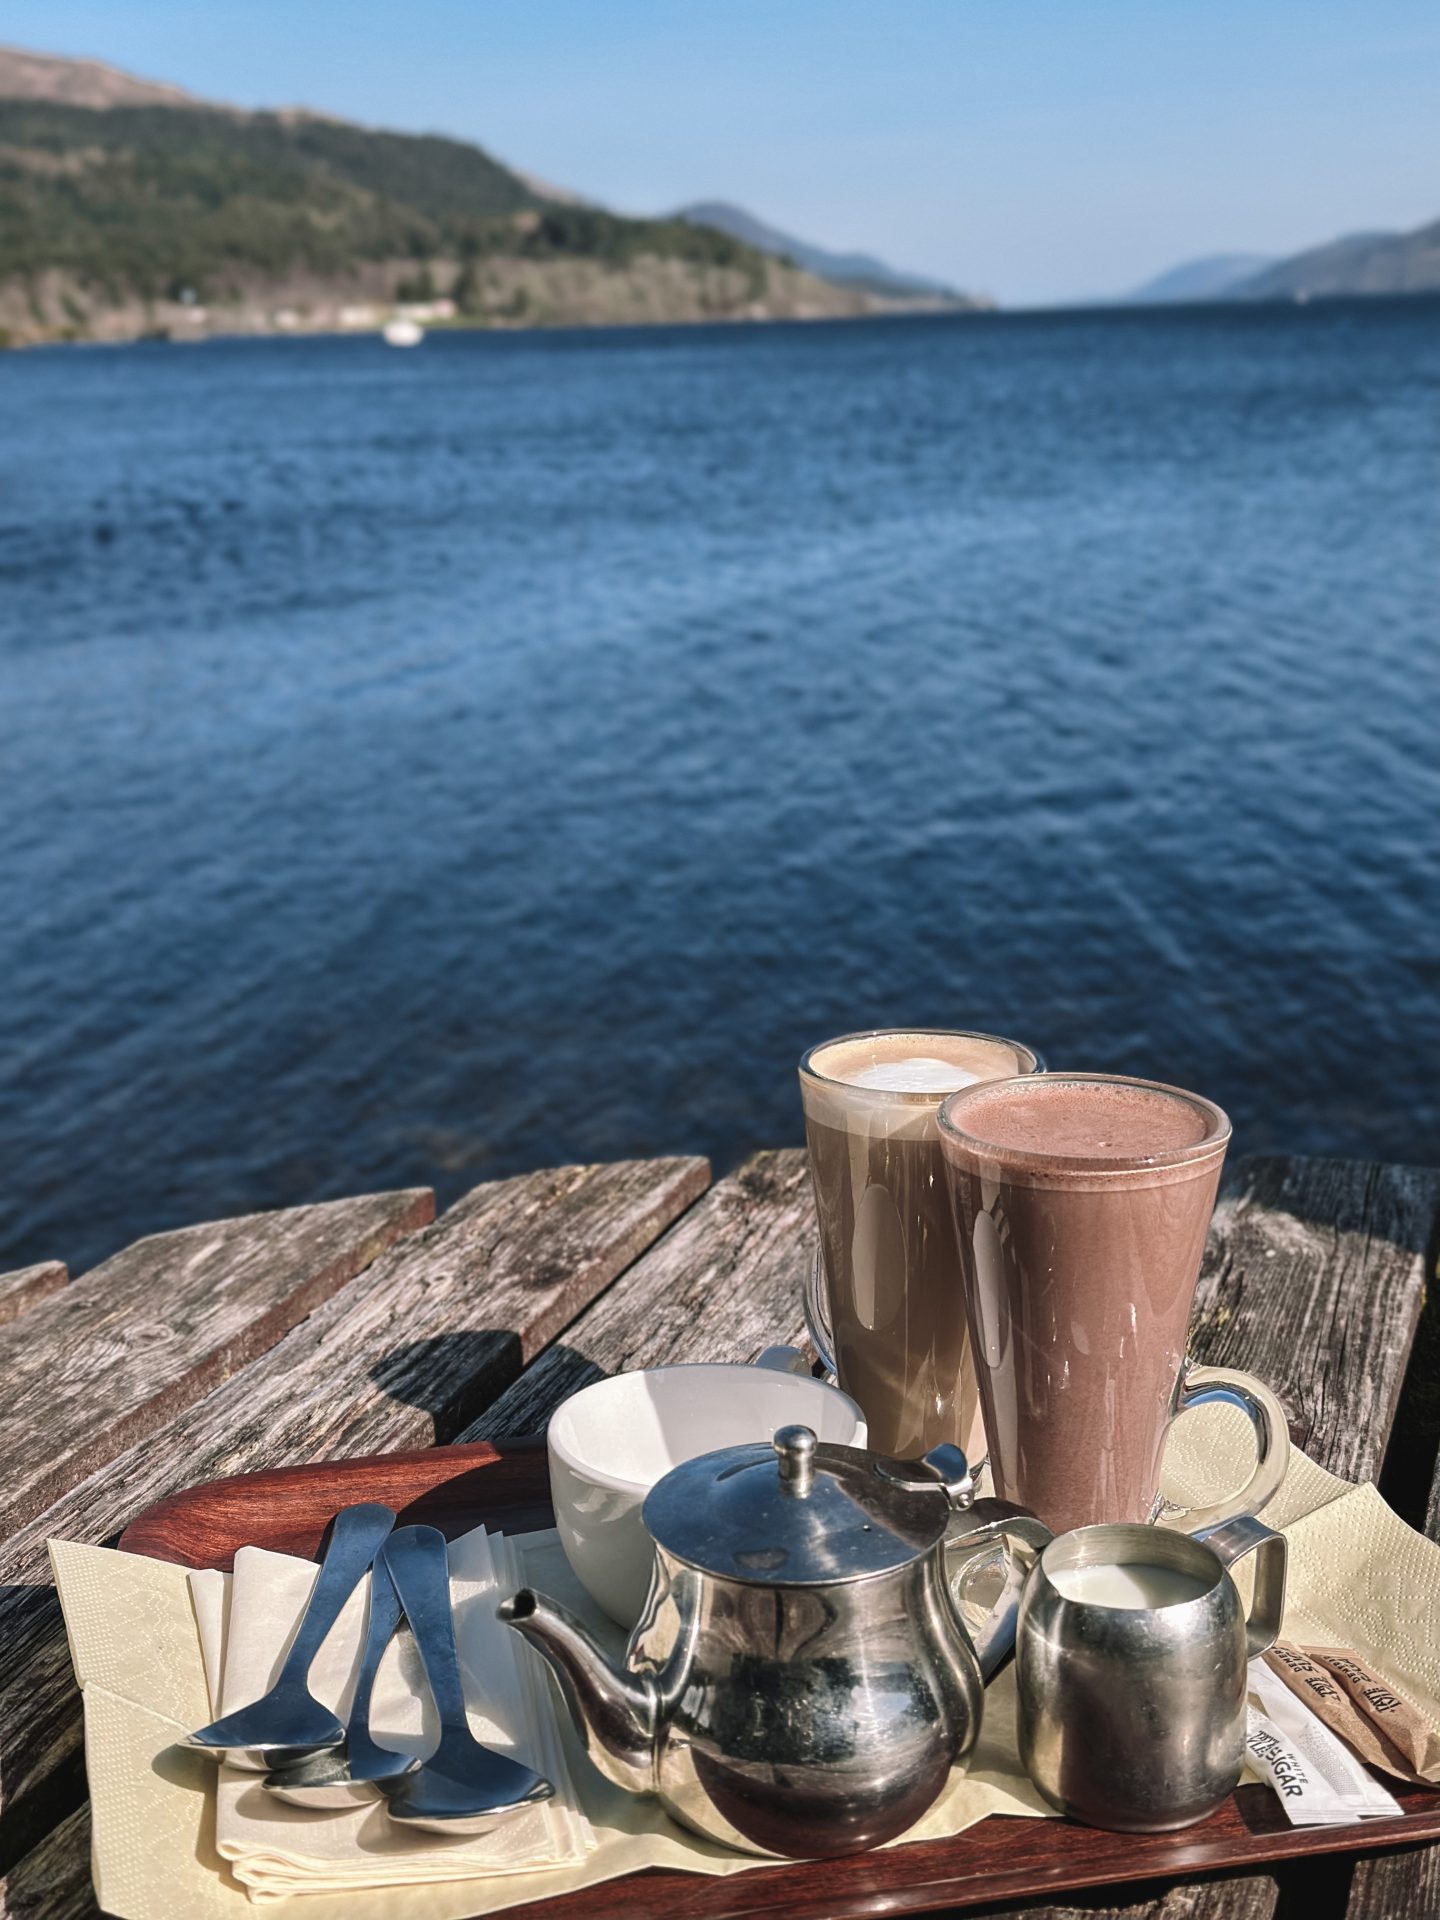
x=970, y=1547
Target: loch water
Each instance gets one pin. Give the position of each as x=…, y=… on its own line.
x=422, y=766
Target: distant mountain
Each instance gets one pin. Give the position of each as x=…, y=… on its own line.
x=860, y=270
x=81, y=83
x=1361, y=263
x=128, y=207
x=1208, y=279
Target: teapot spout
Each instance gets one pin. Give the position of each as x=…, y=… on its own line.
x=615, y=1713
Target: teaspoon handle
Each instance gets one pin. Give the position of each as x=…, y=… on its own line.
x=356, y=1536
x=379, y=1632
x=420, y=1567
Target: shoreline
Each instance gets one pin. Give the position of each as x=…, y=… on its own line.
x=201, y=336
x=1141, y=313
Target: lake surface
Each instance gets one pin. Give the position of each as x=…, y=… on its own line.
x=423, y=766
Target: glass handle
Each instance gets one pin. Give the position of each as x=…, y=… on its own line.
x=817, y=1316
x=1200, y=1385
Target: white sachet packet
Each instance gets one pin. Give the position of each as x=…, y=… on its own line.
x=1318, y=1780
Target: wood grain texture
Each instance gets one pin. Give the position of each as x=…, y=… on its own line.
x=53, y=1881
x=1396, y=1886
x=1404, y=1885
x=409, y=1350
x=997, y=1860
x=119, y=1351
x=289, y=1508
x=1314, y=1279
x=1251, y=1896
x=28, y=1286
x=721, y=1285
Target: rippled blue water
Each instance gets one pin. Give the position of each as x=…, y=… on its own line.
x=419, y=767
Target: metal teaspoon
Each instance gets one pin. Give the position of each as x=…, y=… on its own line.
x=463, y=1787
x=289, y=1723
x=358, y=1771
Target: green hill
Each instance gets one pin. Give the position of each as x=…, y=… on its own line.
x=185, y=217
x=144, y=200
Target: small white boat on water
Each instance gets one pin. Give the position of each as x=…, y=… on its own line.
x=402, y=333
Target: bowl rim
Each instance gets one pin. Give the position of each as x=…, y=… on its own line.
x=624, y=1483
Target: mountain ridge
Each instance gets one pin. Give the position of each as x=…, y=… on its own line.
x=128, y=207
x=1209, y=277
x=1357, y=265
x=1365, y=264
x=82, y=82
x=842, y=269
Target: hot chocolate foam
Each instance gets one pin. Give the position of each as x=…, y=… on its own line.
x=1068, y=1121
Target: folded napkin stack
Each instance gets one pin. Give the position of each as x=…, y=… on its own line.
x=274, y=1849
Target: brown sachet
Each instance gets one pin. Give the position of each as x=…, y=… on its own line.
x=1329, y=1702
x=1388, y=1713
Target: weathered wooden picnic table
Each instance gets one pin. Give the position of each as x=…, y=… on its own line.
x=365, y=1325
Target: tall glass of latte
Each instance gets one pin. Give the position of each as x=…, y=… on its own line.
x=1082, y=1203
x=887, y=1234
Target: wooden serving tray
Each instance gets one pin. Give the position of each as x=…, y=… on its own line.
x=506, y=1485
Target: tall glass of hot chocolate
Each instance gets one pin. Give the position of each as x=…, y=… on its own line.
x=1082, y=1203
x=890, y=1263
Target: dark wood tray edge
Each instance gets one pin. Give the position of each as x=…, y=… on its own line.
x=203, y=1525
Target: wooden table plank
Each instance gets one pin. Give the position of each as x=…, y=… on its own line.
x=721, y=1285
x=413, y=1346
x=28, y=1286
x=1314, y=1279
x=1251, y=1896
x=53, y=1881
x=115, y=1354
x=1404, y=1885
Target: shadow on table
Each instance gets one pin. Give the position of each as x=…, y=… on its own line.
x=452, y=1377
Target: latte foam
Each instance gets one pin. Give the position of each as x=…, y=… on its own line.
x=920, y=1075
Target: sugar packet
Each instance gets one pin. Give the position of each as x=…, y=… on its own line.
x=1318, y=1780
x=1333, y=1704
x=1390, y=1713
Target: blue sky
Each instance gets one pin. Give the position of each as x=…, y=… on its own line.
x=1036, y=149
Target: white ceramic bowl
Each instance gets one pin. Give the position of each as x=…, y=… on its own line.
x=613, y=1440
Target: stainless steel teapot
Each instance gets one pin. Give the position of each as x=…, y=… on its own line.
x=801, y=1681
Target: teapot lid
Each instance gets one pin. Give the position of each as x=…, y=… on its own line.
x=794, y=1512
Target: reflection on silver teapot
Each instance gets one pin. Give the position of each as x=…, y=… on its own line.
x=801, y=1681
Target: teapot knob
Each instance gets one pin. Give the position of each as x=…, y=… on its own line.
x=795, y=1447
